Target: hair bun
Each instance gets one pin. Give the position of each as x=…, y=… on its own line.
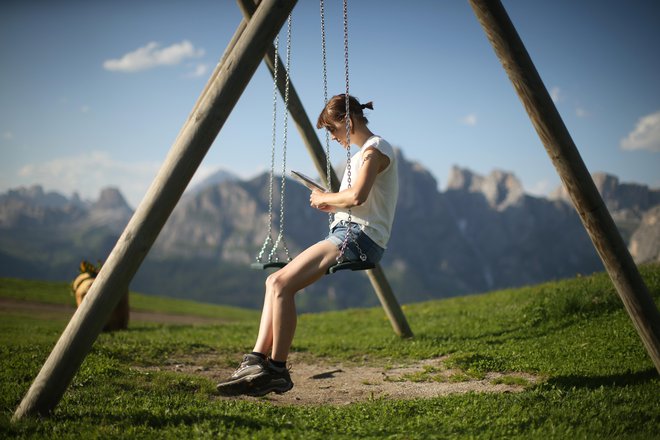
x=369, y=105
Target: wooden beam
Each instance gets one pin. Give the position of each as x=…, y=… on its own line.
x=573, y=173
x=186, y=154
x=305, y=127
x=307, y=131
x=389, y=302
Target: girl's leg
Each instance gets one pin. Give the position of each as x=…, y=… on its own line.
x=265, y=338
x=279, y=317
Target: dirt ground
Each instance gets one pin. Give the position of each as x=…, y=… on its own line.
x=321, y=382
x=331, y=383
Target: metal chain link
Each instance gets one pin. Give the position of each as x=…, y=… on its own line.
x=347, y=121
x=347, y=116
x=280, y=236
x=269, y=235
x=328, y=168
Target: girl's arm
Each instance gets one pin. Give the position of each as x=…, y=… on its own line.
x=373, y=162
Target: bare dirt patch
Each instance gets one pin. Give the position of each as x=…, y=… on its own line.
x=320, y=381
x=332, y=383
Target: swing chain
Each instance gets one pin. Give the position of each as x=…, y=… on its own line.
x=269, y=235
x=347, y=117
x=349, y=221
x=328, y=168
x=280, y=236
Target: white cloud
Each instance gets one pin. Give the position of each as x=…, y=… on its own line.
x=87, y=173
x=84, y=109
x=580, y=112
x=198, y=70
x=541, y=188
x=152, y=55
x=555, y=94
x=7, y=135
x=469, y=120
x=645, y=136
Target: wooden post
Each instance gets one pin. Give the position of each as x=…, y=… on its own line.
x=573, y=172
x=189, y=149
x=307, y=131
x=389, y=302
x=298, y=114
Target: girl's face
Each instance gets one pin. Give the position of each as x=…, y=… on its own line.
x=338, y=133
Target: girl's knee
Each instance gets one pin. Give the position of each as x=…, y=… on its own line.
x=276, y=284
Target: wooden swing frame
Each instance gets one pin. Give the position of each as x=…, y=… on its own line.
x=250, y=44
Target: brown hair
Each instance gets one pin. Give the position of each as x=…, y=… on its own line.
x=335, y=111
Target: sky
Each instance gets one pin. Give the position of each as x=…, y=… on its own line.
x=93, y=93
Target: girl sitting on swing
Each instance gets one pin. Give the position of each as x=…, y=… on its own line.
x=364, y=209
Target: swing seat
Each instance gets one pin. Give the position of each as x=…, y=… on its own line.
x=270, y=265
x=348, y=265
x=351, y=265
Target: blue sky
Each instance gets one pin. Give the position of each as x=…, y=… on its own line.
x=93, y=93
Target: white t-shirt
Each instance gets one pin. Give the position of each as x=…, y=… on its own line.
x=376, y=214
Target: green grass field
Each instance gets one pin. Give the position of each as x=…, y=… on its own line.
x=596, y=379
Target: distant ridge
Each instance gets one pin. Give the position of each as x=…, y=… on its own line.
x=218, y=177
x=481, y=233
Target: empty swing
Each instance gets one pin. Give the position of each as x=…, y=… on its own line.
x=273, y=260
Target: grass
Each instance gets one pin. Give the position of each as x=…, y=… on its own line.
x=598, y=381
x=55, y=292
x=511, y=380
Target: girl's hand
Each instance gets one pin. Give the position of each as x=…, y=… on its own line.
x=316, y=201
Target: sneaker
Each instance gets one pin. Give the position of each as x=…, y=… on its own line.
x=252, y=366
x=272, y=379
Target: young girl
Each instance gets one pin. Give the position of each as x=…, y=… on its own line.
x=371, y=199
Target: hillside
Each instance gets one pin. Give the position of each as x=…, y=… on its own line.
x=557, y=360
x=480, y=233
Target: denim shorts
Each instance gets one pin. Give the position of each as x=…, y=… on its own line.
x=369, y=248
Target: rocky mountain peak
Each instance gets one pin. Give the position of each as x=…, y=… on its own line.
x=463, y=179
x=110, y=210
x=35, y=196
x=618, y=196
x=645, y=241
x=417, y=186
x=606, y=183
x=216, y=178
x=500, y=188
x=111, y=198
x=35, y=192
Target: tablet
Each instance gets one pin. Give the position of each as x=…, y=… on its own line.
x=309, y=183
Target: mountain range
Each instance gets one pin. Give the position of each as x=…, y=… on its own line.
x=480, y=233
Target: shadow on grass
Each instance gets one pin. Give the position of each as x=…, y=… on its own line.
x=594, y=382
x=163, y=421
